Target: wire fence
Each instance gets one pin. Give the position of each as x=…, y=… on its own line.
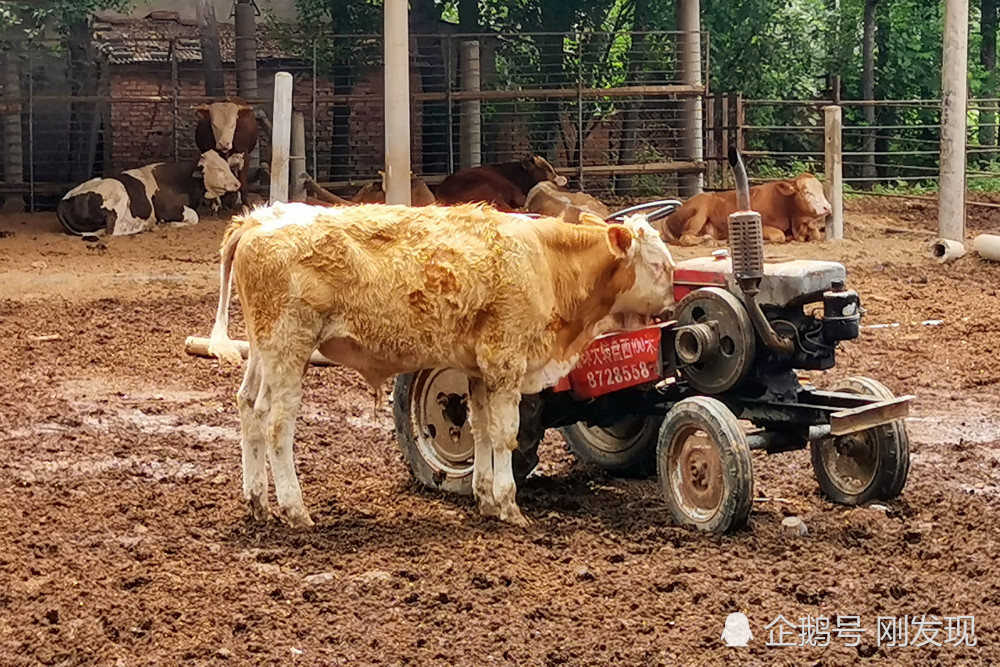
x=607, y=109
x=887, y=144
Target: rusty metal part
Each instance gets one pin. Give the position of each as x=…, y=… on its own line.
x=861, y=418
x=696, y=342
x=696, y=472
x=851, y=461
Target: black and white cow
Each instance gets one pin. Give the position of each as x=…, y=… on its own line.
x=136, y=199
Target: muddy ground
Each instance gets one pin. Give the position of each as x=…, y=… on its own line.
x=123, y=540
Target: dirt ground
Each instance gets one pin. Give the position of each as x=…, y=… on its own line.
x=123, y=540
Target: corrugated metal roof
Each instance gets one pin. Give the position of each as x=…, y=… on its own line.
x=150, y=39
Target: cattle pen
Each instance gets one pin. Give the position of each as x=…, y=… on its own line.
x=125, y=535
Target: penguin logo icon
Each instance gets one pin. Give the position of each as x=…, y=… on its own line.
x=737, y=631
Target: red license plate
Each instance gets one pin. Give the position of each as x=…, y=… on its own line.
x=616, y=361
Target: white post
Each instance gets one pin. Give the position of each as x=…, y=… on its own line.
x=297, y=159
x=471, y=132
x=954, y=79
x=689, y=25
x=281, y=130
x=833, y=184
x=397, y=103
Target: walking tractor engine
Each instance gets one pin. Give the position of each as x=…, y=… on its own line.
x=689, y=398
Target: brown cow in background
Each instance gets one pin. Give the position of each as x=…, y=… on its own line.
x=789, y=207
x=505, y=185
x=374, y=192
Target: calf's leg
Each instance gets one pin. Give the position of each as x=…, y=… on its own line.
x=282, y=390
x=694, y=230
x=504, y=420
x=773, y=235
x=482, y=465
x=254, y=462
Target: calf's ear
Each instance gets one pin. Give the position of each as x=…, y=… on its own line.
x=620, y=238
x=786, y=188
x=204, y=111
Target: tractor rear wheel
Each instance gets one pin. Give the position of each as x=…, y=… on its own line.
x=626, y=449
x=430, y=408
x=869, y=465
x=704, y=466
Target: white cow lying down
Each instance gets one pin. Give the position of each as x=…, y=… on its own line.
x=508, y=300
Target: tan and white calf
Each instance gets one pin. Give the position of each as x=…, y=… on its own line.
x=509, y=300
x=547, y=198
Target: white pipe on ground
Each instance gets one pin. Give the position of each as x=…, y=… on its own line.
x=281, y=131
x=988, y=246
x=946, y=250
x=397, y=103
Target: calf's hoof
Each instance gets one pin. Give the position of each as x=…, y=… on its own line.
x=514, y=516
x=258, y=509
x=298, y=518
x=488, y=508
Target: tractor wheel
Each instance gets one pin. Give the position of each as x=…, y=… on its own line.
x=430, y=408
x=869, y=465
x=704, y=466
x=626, y=449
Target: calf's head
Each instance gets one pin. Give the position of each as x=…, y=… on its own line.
x=643, y=252
x=217, y=175
x=540, y=170
x=808, y=193
x=223, y=117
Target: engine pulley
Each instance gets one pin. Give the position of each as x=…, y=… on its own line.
x=716, y=356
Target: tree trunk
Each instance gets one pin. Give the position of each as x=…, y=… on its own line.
x=886, y=115
x=85, y=120
x=988, y=59
x=246, y=66
x=211, y=57
x=13, y=149
x=628, y=152
x=868, y=93
x=468, y=16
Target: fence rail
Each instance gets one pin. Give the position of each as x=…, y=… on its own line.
x=880, y=155
x=607, y=109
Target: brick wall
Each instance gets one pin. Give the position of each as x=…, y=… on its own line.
x=367, y=134
x=144, y=132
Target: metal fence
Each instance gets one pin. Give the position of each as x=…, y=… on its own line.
x=888, y=145
x=607, y=109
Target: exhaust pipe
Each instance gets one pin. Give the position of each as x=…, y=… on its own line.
x=746, y=246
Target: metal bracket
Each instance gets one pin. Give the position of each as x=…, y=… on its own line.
x=868, y=416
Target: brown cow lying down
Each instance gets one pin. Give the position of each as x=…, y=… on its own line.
x=547, y=198
x=789, y=207
x=374, y=192
x=505, y=186
x=509, y=300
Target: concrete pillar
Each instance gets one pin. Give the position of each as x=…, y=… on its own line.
x=954, y=79
x=281, y=130
x=297, y=159
x=470, y=121
x=689, y=25
x=833, y=185
x=397, y=103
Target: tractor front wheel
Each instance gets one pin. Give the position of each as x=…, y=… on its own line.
x=869, y=465
x=704, y=466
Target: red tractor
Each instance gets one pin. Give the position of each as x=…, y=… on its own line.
x=668, y=399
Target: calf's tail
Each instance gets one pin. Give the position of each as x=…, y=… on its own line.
x=219, y=343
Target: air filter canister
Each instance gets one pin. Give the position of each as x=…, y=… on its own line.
x=746, y=240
